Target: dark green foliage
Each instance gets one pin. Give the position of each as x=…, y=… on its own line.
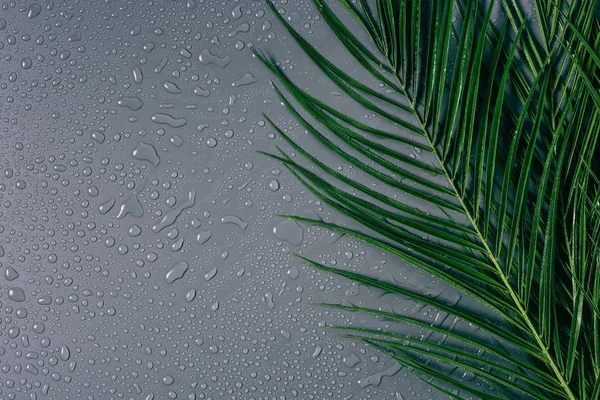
x=509, y=110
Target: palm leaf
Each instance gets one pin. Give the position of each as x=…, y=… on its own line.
x=509, y=110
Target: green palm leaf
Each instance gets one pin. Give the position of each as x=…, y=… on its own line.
x=509, y=109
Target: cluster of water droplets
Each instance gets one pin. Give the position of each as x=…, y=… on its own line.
x=139, y=251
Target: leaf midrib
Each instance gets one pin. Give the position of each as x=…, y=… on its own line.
x=505, y=281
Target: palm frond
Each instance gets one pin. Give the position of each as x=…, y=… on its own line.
x=509, y=212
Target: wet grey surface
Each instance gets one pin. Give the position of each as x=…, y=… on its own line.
x=140, y=253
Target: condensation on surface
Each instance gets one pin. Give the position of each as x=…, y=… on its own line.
x=140, y=253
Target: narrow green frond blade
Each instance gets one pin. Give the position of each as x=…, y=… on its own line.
x=438, y=232
x=457, y=82
x=525, y=174
x=468, y=133
x=510, y=337
x=452, y=356
x=482, y=140
x=422, y=367
x=492, y=149
x=510, y=162
x=523, y=365
x=342, y=31
x=375, y=173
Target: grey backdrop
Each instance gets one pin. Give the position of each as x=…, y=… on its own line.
x=140, y=253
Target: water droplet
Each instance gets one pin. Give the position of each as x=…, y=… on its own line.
x=131, y=206
x=176, y=272
x=375, y=379
x=236, y=13
x=170, y=217
x=10, y=274
x=274, y=185
x=146, y=152
x=289, y=231
x=198, y=91
x=190, y=295
x=34, y=10
x=246, y=79
x=317, y=352
x=242, y=28
x=232, y=219
x=167, y=119
x=351, y=360
x=138, y=76
x=203, y=237
x=26, y=63
x=134, y=230
x=132, y=103
x=177, y=141
x=98, y=136
x=211, y=142
x=206, y=57
x=161, y=65
x=171, y=87
x=65, y=352
x=106, y=206
x=168, y=380
x=293, y=272
x=210, y=274
x=269, y=299
x=16, y=294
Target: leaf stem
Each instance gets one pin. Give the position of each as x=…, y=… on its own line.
x=505, y=281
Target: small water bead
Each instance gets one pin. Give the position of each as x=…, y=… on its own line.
x=123, y=249
x=93, y=191
x=191, y=295
x=21, y=313
x=171, y=201
x=210, y=274
x=26, y=63
x=168, y=380
x=134, y=230
x=38, y=327
x=16, y=294
x=65, y=352
x=176, y=141
x=176, y=272
x=14, y=332
x=351, y=360
x=211, y=142
x=274, y=185
x=171, y=87
x=10, y=274
x=289, y=231
x=293, y=272
x=236, y=13
x=178, y=244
